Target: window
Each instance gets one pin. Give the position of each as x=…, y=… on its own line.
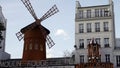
x=81, y=28
x=118, y=60
x=41, y=47
x=99, y=59
x=88, y=27
x=98, y=40
x=106, y=12
x=26, y=47
x=81, y=14
x=88, y=13
x=101, y=12
x=96, y=12
x=36, y=46
x=81, y=58
x=88, y=41
x=107, y=56
x=97, y=27
x=106, y=28
x=81, y=41
x=73, y=57
x=30, y=46
x=106, y=42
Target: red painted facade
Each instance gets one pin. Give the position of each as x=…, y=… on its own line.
x=34, y=45
x=94, y=60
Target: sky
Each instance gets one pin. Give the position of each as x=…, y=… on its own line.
x=61, y=25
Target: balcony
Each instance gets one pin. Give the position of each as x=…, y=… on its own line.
x=92, y=16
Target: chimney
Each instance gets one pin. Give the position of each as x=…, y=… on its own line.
x=110, y=1
x=77, y=4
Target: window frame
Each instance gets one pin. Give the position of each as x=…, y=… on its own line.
x=106, y=42
x=89, y=28
x=107, y=57
x=88, y=13
x=97, y=13
x=106, y=26
x=81, y=14
x=97, y=27
x=81, y=43
x=81, y=58
x=118, y=60
x=81, y=28
x=98, y=40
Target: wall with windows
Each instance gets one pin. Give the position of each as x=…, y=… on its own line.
x=3, y=54
x=84, y=34
x=3, y=21
x=117, y=53
x=95, y=12
x=117, y=43
x=94, y=22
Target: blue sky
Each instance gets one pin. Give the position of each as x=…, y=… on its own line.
x=61, y=25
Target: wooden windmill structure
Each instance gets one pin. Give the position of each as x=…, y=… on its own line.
x=35, y=35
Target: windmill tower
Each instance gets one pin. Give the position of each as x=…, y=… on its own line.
x=35, y=35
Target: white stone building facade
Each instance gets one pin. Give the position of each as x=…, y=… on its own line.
x=3, y=54
x=96, y=22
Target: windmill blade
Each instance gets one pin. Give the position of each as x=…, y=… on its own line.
x=28, y=28
x=20, y=36
x=30, y=8
x=49, y=42
x=49, y=13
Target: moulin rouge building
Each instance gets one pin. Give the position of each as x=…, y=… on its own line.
x=95, y=45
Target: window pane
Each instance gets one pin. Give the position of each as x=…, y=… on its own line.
x=106, y=42
x=81, y=42
x=107, y=56
x=98, y=40
x=97, y=27
x=36, y=46
x=101, y=12
x=106, y=28
x=118, y=60
x=88, y=13
x=81, y=14
x=81, y=28
x=106, y=13
x=81, y=58
x=88, y=27
x=30, y=46
x=88, y=41
x=96, y=12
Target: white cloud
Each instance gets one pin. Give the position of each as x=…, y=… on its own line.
x=61, y=32
x=49, y=53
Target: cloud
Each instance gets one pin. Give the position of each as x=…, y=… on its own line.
x=50, y=53
x=62, y=33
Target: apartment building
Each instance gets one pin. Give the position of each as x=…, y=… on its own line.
x=3, y=54
x=96, y=22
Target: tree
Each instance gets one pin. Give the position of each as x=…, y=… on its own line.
x=67, y=53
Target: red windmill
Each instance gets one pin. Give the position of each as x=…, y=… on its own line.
x=35, y=35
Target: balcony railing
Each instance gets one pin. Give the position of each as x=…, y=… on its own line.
x=92, y=15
